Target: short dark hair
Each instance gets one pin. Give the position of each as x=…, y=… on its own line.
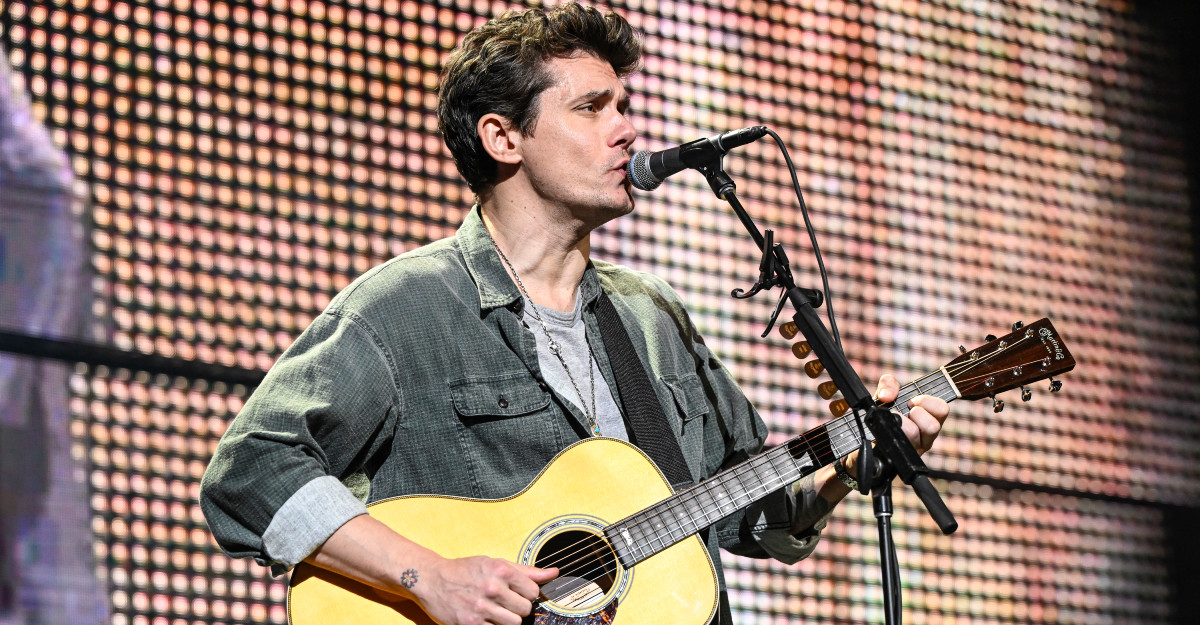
x=500, y=68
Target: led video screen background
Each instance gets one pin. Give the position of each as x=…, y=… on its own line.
x=967, y=164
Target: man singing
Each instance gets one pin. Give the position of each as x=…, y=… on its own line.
x=462, y=368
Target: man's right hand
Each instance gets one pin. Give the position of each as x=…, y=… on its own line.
x=453, y=591
x=478, y=590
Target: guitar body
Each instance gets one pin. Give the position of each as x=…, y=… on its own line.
x=588, y=486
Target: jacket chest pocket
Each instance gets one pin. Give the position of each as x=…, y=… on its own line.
x=691, y=405
x=508, y=430
x=497, y=397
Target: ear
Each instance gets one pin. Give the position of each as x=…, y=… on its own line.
x=501, y=140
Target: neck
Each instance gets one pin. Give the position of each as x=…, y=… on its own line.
x=548, y=254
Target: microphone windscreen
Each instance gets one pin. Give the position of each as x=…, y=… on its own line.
x=639, y=173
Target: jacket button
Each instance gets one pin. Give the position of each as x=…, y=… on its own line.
x=502, y=402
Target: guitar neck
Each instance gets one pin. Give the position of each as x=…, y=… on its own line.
x=652, y=530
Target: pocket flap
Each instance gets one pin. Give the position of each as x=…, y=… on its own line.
x=500, y=396
x=688, y=393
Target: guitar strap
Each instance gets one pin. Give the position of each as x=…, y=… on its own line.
x=650, y=429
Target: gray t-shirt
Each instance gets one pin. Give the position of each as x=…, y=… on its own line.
x=569, y=332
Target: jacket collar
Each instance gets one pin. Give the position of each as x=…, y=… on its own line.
x=496, y=288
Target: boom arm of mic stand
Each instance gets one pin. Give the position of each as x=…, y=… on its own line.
x=888, y=436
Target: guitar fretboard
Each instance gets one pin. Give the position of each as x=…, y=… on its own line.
x=654, y=529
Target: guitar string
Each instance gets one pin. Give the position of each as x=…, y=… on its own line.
x=657, y=534
x=842, y=428
x=838, y=429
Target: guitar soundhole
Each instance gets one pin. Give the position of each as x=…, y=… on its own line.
x=587, y=568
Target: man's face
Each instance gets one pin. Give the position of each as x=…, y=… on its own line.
x=577, y=154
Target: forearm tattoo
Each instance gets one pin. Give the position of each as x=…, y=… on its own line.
x=408, y=579
x=811, y=507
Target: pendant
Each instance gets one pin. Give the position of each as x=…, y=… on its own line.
x=596, y=430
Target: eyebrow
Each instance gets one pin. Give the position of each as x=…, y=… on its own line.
x=597, y=94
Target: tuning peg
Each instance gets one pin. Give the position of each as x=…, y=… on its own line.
x=801, y=350
x=1055, y=385
x=813, y=368
x=997, y=404
x=1026, y=394
x=989, y=338
x=839, y=407
x=788, y=330
x=962, y=350
x=1017, y=325
x=827, y=389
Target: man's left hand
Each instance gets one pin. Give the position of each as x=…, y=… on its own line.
x=925, y=416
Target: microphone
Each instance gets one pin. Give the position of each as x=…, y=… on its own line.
x=647, y=170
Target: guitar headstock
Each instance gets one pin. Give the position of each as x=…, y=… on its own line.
x=1027, y=354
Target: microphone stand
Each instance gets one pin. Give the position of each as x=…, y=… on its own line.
x=893, y=454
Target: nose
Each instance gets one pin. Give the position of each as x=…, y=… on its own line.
x=625, y=134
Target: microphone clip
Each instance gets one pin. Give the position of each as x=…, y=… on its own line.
x=768, y=277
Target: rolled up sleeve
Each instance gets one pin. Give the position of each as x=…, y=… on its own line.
x=307, y=519
x=273, y=490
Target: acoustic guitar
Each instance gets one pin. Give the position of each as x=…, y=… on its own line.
x=625, y=543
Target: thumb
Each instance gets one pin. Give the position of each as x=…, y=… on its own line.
x=540, y=576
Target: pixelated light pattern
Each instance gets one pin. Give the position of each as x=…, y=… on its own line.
x=967, y=164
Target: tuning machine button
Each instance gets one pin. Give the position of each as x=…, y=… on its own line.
x=989, y=338
x=813, y=368
x=1026, y=394
x=1055, y=385
x=788, y=330
x=1017, y=325
x=997, y=404
x=801, y=350
x=839, y=407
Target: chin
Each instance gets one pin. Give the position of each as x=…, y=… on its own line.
x=603, y=213
x=621, y=209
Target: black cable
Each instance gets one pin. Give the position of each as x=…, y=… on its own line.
x=812, y=236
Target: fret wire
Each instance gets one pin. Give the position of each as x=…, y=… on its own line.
x=657, y=534
x=812, y=453
x=838, y=438
x=635, y=539
x=633, y=526
x=736, y=477
x=640, y=529
x=786, y=460
x=664, y=521
x=644, y=539
x=686, y=515
x=752, y=468
x=705, y=498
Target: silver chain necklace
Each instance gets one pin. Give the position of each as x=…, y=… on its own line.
x=554, y=348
